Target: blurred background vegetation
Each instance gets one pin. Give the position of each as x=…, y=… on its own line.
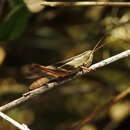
x=31, y=33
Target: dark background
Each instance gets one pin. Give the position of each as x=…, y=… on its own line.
x=53, y=34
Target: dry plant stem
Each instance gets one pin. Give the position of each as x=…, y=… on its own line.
x=103, y=108
x=13, y=122
x=54, y=4
x=49, y=86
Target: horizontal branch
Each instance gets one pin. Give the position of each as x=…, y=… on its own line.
x=49, y=86
x=13, y=122
x=54, y=4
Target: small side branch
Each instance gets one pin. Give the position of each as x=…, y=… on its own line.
x=54, y=4
x=49, y=86
x=13, y=122
x=102, y=109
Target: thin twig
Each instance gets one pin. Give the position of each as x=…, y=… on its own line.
x=13, y=122
x=54, y=4
x=49, y=86
x=103, y=108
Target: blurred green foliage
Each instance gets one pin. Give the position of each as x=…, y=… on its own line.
x=14, y=23
x=55, y=34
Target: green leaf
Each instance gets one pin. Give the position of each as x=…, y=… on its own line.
x=14, y=23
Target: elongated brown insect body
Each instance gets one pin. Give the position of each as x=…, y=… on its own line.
x=38, y=83
x=64, y=68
